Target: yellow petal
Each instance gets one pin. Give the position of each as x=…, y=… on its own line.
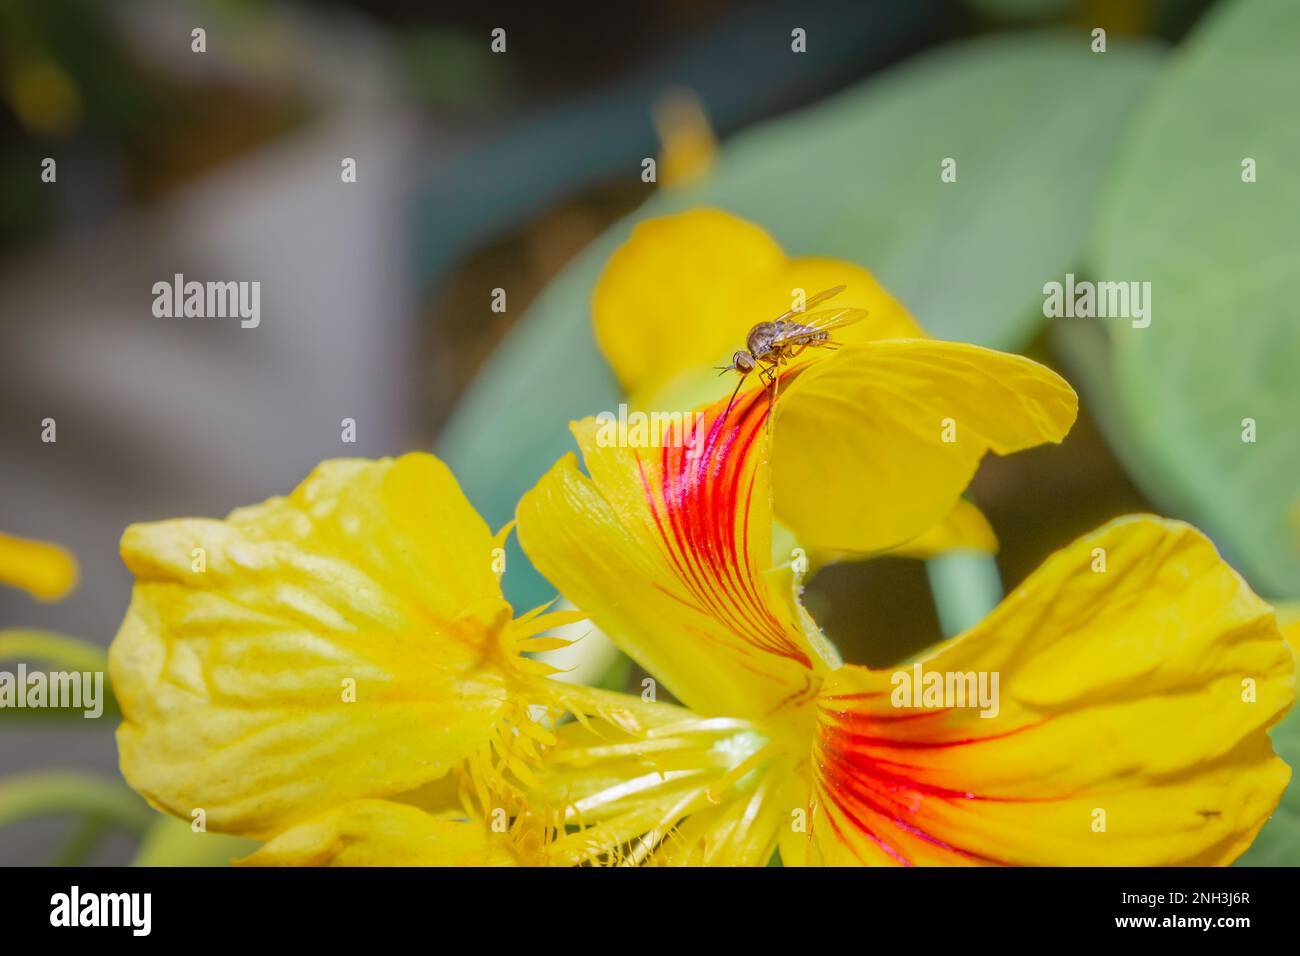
x=347, y=641
x=875, y=444
x=668, y=551
x=382, y=833
x=45, y=571
x=964, y=528
x=664, y=301
x=1130, y=727
x=1288, y=618
x=682, y=293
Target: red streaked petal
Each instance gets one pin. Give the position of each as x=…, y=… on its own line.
x=1128, y=727
x=668, y=549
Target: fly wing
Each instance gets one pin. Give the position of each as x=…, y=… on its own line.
x=808, y=327
x=819, y=298
x=829, y=319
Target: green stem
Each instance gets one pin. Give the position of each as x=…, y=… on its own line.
x=82, y=843
x=65, y=792
x=966, y=586
x=67, y=653
x=63, y=653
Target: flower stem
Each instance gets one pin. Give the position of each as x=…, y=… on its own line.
x=966, y=585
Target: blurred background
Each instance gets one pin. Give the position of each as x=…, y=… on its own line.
x=520, y=170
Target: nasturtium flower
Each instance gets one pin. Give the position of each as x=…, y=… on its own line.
x=1129, y=730
x=46, y=571
x=338, y=662
x=855, y=462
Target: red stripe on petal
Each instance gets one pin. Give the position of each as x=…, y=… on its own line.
x=856, y=771
x=700, y=509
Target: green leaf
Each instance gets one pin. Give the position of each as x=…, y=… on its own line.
x=1220, y=254
x=1030, y=120
x=1278, y=843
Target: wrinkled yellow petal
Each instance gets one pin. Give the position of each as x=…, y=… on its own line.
x=1129, y=730
x=346, y=641
x=875, y=444
x=668, y=550
x=382, y=833
x=682, y=293
x=45, y=571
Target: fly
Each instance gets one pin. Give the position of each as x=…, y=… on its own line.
x=769, y=345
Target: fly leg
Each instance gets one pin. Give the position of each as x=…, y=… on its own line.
x=732, y=401
x=773, y=381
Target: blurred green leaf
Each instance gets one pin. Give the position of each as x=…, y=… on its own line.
x=1030, y=119
x=1278, y=843
x=1224, y=340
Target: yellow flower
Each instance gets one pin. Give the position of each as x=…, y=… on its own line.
x=45, y=571
x=335, y=662
x=1128, y=727
x=858, y=464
